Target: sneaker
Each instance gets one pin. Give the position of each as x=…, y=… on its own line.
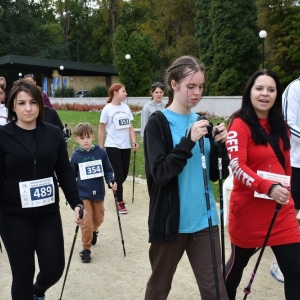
x=276, y=272
x=85, y=256
x=95, y=236
x=39, y=298
x=121, y=208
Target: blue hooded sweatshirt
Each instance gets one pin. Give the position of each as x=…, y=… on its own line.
x=92, y=188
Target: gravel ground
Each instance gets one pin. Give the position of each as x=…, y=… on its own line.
x=112, y=276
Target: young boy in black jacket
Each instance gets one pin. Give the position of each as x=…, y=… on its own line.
x=90, y=164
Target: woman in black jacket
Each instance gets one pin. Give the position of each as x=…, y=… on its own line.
x=178, y=217
x=30, y=152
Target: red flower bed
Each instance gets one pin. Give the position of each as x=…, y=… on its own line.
x=88, y=107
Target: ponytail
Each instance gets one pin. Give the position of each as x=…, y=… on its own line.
x=114, y=88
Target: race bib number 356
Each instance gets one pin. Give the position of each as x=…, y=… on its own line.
x=36, y=193
x=91, y=169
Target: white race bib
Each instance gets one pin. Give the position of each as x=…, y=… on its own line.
x=271, y=176
x=91, y=169
x=36, y=193
x=121, y=122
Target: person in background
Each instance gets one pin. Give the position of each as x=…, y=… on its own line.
x=291, y=113
x=3, y=109
x=116, y=118
x=91, y=165
x=52, y=117
x=31, y=78
x=156, y=103
x=3, y=83
x=30, y=222
x=258, y=141
x=178, y=219
x=67, y=132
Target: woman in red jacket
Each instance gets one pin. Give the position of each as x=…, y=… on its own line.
x=251, y=211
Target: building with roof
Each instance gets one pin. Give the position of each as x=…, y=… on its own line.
x=79, y=75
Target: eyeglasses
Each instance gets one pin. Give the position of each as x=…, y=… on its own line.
x=29, y=75
x=157, y=84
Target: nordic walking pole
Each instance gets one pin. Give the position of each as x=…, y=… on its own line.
x=247, y=289
x=120, y=226
x=81, y=212
x=133, y=178
x=212, y=242
x=221, y=204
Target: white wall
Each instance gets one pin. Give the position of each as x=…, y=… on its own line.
x=222, y=106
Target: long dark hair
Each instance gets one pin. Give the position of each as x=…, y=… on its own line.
x=156, y=85
x=277, y=125
x=29, y=88
x=181, y=67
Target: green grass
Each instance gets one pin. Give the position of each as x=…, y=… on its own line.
x=74, y=117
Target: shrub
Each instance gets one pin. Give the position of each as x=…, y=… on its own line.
x=98, y=91
x=67, y=92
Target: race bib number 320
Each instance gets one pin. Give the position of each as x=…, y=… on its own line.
x=91, y=169
x=36, y=193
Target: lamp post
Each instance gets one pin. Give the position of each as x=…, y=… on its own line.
x=20, y=76
x=127, y=57
x=263, y=35
x=62, y=80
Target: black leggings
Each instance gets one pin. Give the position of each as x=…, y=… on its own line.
x=288, y=258
x=22, y=237
x=119, y=159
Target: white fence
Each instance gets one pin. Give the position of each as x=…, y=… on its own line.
x=222, y=106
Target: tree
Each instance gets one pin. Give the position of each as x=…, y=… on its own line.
x=139, y=68
x=20, y=28
x=281, y=20
x=231, y=45
x=172, y=30
x=203, y=32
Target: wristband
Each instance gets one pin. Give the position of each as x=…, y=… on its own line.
x=273, y=186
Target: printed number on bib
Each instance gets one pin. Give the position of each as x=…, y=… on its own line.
x=91, y=169
x=36, y=193
x=122, y=122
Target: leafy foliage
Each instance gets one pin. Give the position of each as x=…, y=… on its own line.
x=224, y=33
x=230, y=49
x=281, y=20
x=66, y=92
x=172, y=30
x=98, y=91
x=136, y=71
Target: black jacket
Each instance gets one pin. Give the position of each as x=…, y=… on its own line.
x=52, y=117
x=18, y=164
x=163, y=163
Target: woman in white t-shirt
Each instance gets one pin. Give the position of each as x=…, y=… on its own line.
x=116, y=118
x=3, y=109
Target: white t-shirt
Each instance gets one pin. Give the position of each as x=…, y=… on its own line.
x=3, y=114
x=291, y=112
x=117, y=119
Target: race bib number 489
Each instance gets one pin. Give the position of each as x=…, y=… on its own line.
x=36, y=193
x=91, y=169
